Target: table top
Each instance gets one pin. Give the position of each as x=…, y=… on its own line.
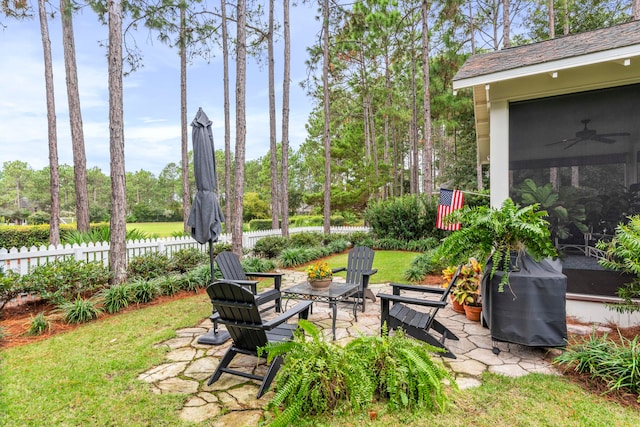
x=335, y=290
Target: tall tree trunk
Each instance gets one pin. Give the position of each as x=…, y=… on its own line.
x=118, y=243
x=54, y=178
x=413, y=130
x=273, y=147
x=388, y=189
x=186, y=194
x=241, y=127
x=286, y=85
x=75, y=118
x=427, y=149
x=472, y=29
x=327, y=141
x=227, y=121
x=506, y=27
x=552, y=23
x=635, y=10
x=565, y=7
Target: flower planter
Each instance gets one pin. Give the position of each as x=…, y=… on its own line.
x=456, y=306
x=472, y=312
x=320, y=283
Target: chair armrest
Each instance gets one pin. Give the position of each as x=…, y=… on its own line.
x=370, y=272
x=252, y=284
x=261, y=274
x=296, y=309
x=431, y=289
x=336, y=270
x=277, y=277
x=414, y=301
x=267, y=296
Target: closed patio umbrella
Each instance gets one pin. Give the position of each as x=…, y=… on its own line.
x=205, y=218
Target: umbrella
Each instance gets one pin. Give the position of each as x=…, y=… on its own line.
x=206, y=216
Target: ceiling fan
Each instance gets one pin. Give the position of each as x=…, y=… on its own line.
x=587, y=134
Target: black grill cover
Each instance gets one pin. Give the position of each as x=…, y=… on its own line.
x=532, y=309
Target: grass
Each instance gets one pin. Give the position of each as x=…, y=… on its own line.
x=89, y=377
x=160, y=229
x=390, y=265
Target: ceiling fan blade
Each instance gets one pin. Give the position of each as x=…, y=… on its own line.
x=600, y=138
x=574, y=142
x=563, y=141
x=614, y=134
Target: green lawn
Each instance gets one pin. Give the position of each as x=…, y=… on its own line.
x=390, y=265
x=159, y=229
x=89, y=377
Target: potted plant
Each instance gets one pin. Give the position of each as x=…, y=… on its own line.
x=517, y=244
x=467, y=290
x=319, y=275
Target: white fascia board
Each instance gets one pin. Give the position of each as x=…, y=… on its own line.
x=547, y=67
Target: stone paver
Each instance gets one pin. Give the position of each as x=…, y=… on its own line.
x=232, y=400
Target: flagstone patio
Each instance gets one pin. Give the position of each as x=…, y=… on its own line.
x=232, y=400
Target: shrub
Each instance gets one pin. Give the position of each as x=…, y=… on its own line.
x=10, y=287
x=79, y=311
x=616, y=364
x=271, y=246
x=390, y=244
x=427, y=263
x=292, y=256
x=185, y=259
x=61, y=279
x=403, y=218
x=116, y=297
x=199, y=277
x=358, y=237
x=257, y=264
x=306, y=239
x=260, y=224
x=422, y=245
x=169, y=285
x=338, y=246
x=38, y=325
x=148, y=266
x=143, y=291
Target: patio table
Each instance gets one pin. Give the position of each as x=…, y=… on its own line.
x=333, y=294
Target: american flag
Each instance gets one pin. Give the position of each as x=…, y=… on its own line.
x=450, y=200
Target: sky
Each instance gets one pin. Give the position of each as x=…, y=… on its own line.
x=151, y=95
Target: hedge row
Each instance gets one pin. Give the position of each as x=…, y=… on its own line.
x=297, y=221
x=17, y=236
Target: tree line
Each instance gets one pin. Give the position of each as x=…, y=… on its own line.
x=386, y=122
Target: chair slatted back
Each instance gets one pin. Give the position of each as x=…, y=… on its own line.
x=360, y=259
x=239, y=312
x=230, y=266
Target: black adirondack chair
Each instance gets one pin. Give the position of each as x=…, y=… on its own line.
x=237, y=308
x=231, y=269
x=359, y=270
x=418, y=324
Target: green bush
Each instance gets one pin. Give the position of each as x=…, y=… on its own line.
x=116, y=297
x=184, y=260
x=39, y=217
x=293, y=256
x=616, y=364
x=11, y=286
x=260, y=224
x=169, y=285
x=271, y=246
x=99, y=233
x=79, y=311
x=404, y=218
x=306, y=239
x=358, y=238
x=17, y=236
x=38, y=325
x=143, y=291
x=429, y=262
x=198, y=277
x=337, y=246
x=148, y=266
x=319, y=376
x=258, y=265
x=62, y=279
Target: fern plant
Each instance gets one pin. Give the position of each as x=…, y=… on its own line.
x=319, y=376
x=496, y=233
x=80, y=310
x=623, y=254
x=116, y=297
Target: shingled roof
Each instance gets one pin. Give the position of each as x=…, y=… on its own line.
x=570, y=46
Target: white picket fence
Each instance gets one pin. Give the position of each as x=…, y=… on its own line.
x=22, y=260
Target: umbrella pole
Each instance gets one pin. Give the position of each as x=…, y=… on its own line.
x=213, y=337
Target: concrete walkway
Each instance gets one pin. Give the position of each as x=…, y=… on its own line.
x=232, y=399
